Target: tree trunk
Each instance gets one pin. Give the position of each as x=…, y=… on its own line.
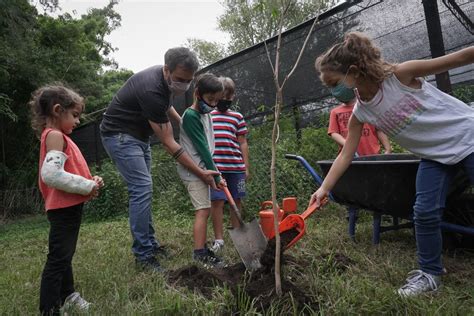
x=279, y=98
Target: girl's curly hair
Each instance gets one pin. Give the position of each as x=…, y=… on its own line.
x=359, y=50
x=43, y=100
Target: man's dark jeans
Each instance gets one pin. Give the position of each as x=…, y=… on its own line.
x=57, y=281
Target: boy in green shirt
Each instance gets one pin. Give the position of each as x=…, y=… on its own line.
x=197, y=139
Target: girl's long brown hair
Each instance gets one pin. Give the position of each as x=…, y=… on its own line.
x=43, y=100
x=359, y=50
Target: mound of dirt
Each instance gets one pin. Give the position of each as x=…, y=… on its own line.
x=259, y=285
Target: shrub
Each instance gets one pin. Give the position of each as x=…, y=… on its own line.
x=170, y=197
x=113, y=198
x=464, y=93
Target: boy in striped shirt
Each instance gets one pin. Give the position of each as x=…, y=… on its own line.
x=231, y=156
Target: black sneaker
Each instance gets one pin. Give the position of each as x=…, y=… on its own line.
x=209, y=259
x=150, y=264
x=161, y=251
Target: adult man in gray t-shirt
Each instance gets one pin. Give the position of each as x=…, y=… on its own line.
x=140, y=109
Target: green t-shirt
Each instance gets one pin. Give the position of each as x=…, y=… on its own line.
x=197, y=139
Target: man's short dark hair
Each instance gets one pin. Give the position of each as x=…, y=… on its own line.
x=181, y=56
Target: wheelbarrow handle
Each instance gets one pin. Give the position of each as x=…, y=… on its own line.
x=310, y=169
x=233, y=206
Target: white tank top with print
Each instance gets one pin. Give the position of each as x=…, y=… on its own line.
x=425, y=121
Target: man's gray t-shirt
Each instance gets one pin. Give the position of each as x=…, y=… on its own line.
x=145, y=96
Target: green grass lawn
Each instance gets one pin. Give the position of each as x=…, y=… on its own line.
x=105, y=273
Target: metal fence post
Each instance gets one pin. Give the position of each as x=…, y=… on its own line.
x=435, y=36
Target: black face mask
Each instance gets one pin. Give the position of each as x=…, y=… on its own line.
x=224, y=105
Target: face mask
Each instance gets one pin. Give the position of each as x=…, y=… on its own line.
x=204, y=108
x=342, y=92
x=224, y=105
x=177, y=87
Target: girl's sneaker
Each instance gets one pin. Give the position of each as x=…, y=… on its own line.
x=419, y=282
x=217, y=245
x=75, y=301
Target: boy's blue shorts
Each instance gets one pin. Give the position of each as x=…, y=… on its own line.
x=235, y=184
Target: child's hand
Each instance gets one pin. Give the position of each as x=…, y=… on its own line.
x=320, y=197
x=99, y=181
x=95, y=191
x=221, y=185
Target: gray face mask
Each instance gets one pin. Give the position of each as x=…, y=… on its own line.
x=177, y=87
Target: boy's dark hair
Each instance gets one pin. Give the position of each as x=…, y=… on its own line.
x=181, y=56
x=229, y=87
x=208, y=83
x=43, y=100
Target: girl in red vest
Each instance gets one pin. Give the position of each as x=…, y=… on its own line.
x=65, y=183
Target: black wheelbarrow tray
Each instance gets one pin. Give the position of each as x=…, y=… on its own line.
x=385, y=184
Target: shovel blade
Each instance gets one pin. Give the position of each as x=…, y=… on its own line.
x=250, y=243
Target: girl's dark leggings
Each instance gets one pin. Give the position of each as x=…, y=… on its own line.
x=57, y=281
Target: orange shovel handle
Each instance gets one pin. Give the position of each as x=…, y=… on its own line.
x=233, y=206
x=310, y=210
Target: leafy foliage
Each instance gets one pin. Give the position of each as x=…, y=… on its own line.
x=250, y=22
x=37, y=48
x=464, y=93
x=113, y=199
x=207, y=52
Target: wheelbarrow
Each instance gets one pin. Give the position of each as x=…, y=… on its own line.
x=385, y=184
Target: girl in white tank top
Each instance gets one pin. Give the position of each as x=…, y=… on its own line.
x=426, y=121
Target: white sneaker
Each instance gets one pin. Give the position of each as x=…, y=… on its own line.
x=217, y=245
x=75, y=300
x=419, y=282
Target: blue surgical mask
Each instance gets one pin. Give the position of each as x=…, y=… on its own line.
x=342, y=92
x=204, y=108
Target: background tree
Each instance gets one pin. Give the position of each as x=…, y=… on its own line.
x=38, y=48
x=207, y=52
x=251, y=22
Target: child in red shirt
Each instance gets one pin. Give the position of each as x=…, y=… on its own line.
x=368, y=144
x=369, y=140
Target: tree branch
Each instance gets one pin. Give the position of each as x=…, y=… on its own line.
x=316, y=20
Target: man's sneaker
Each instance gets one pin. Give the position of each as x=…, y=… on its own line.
x=217, y=246
x=208, y=259
x=161, y=251
x=75, y=301
x=419, y=282
x=149, y=264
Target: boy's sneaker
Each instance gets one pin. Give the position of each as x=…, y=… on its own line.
x=419, y=282
x=75, y=301
x=208, y=259
x=217, y=246
x=150, y=264
x=161, y=251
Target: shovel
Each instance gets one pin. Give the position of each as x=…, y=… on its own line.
x=297, y=222
x=248, y=238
